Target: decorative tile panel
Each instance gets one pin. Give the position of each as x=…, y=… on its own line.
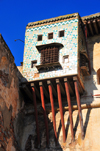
x=69, y=41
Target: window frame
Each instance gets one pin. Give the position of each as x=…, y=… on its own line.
x=60, y=33
x=40, y=38
x=49, y=35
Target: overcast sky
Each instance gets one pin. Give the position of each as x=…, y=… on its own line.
x=15, y=15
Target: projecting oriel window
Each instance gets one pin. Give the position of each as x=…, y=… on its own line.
x=39, y=38
x=50, y=36
x=61, y=33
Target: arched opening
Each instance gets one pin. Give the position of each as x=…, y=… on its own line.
x=98, y=76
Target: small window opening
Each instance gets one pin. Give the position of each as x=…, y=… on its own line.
x=39, y=38
x=66, y=59
x=61, y=33
x=98, y=76
x=50, y=36
x=33, y=63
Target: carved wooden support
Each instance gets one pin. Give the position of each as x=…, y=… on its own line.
x=27, y=91
x=44, y=112
x=36, y=113
x=61, y=109
x=53, y=109
x=95, y=26
x=79, y=106
x=90, y=26
x=70, y=107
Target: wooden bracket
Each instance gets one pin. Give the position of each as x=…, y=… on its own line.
x=45, y=90
x=25, y=88
x=70, y=88
x=54, y=91
x=36, y=90
x=62, y=89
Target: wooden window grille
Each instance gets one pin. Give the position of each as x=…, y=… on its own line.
x=61, y=33
x=49, y=55
x=50, y=36
x=39, y=38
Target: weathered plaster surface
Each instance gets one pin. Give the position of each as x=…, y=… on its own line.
x=9, y=97
x=90, y=82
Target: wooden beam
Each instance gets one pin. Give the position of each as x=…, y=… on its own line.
x=53, y=109
x=36, y=115
x=70, y=88
x=70, y=107
x=79, y=106
x=44, y=112
x=98, y=21
x=95, y=26
x=61, y=109
x=90, y=27
x=75, y=78
x=36, y=90
x=45, y=90
x=80, y=88
x=25, y=88
x=62, y=88
x=53, y=89
x=81, y=83
x=87, y=29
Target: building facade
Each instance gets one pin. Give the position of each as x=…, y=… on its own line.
x=56, y=92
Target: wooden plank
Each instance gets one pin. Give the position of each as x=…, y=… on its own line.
x=36, y=90
x=62, y=88
x=90, y=27
x=79, y=108
x=45, y=90
x=54, y=90
x=25, y=88
x=95, y=26
x=70, y=88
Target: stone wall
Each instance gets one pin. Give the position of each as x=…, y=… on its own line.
x=9, y=98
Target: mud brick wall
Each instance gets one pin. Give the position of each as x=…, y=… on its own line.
x=9, y=98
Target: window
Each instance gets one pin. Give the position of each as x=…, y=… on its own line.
x=61, y=33
x=66, y=59
x=49, y=55
x=33, y=63
x=50, y=36
x=98, y=76
x=39, y=38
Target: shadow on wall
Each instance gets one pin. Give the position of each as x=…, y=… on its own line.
x=26, y=131
x=91, y=82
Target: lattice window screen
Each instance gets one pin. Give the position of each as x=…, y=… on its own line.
x=49, y=55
